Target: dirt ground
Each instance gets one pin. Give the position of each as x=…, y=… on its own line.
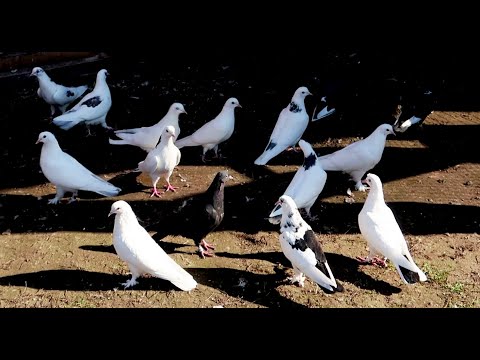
x=61, y=256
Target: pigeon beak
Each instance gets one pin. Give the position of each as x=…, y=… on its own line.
x=239, y=105
x=110, y=213
x=364, y=181
x=184, y=112
x=277, y=204
x=38, y=141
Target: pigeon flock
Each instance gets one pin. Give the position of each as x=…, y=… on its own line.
x=163, y=146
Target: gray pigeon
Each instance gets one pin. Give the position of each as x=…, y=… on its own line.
x=67, y=174
x=56, y=95
x=358, y=157
x=301, y=246
x=143, y=255
x=289, y=128
x=162, y=160
x=147, y=137
x=306, y=185
x=92, y=109
x=384, y=237
x=213, y=132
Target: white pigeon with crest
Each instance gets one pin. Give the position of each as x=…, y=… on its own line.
x=384, y=236
x=56, y=95
x=214, y=132
x=67, y=174
x=306, y=185
x=147, y=137
x=358, y=157
x=161, y=161
x=143, y=255
x=301, y=246
x=289, y=128
x=92, y=109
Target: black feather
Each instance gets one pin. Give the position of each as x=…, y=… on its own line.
x=309, y=161
x=294, y=107
x=410, y=276
x=92, y=102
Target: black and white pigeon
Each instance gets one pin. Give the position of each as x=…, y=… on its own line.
x=67, y=174
x=415, y=111
x=92, y=109
x=384, y=237
x=358, y=157
x=147, y=137
x=289, y=128
x=301, y=246
x=306, y=185
x=134, y=245
x=56, y=95
x=204, y=213
x=161, y=161
x=326, y=109
x=214, y=132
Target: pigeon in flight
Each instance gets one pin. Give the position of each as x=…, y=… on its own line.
x=213, y=132
x=56, y=95
x=290, y=126
x=306, y=185
x=162, y=160
x=147, y=137
x=143, y=255
x=67, y=174
x=204, y=213
x=92, y=109
x=325, y=110
x=358, y=157
x=384, y=237
x=301, y=246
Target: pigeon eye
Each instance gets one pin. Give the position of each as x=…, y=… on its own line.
x=233, y=102
x=44, y=136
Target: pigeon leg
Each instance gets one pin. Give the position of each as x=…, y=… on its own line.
x=89, y=133
x=298, y=277
x=154, y=190
x=364, y=260
x=310, y=216
x=169, y=187
x=58, y=196
x=204, y=249
x=380, y=262
x=74, y=197
x=130, y=283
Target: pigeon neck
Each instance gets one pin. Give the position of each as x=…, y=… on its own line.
x=125, y=220
x=289, y=218
x=375, y=196
x=100, y=83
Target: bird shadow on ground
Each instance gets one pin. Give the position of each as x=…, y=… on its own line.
x=254, y=288
x=343, y=268
x=99, y=248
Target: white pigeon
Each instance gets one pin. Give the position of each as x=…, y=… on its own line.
x=215, y=131
x=358, y=157
x=162, y=160
x=306, y=185
x=67, y=174
x=147, y=137
x=56, y=95
x=143, y=255
x=92, y=109
x=290, y=126
x=384, y=237
x=301, y=246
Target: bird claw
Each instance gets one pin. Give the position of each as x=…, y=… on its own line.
x=300, y=281
x=169, y=187
x=156, y=193
x=53, y=201
x=364, y=260
x=130, y=283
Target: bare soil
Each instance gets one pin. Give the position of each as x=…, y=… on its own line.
x=61, y=256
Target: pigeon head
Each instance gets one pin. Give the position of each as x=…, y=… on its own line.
x=373, y=181
x=37, y=71
x=306, y=147
x=169, y=131
x=45, y=137
x=232, y=103
x=302, y=92
x=177, y=107
x=386, y=129
x=119, y=207
x=287, y=203
x=223, y=176
x=102, y=74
